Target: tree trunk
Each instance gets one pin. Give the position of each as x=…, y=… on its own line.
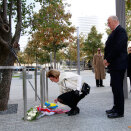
x=6, y=59
x=5, y=88
x=5, y=77
x=7, y=46
x=54, y=58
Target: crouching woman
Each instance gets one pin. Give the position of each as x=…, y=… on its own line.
x=71, y=89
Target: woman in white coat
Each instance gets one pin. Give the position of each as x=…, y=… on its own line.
x=71, y=89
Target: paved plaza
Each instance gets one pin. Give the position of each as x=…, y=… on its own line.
x=92, y=115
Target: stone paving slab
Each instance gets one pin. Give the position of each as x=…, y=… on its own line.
x=92, y=117
x=11, y=109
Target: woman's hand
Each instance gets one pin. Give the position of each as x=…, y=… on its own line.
x=56, y=100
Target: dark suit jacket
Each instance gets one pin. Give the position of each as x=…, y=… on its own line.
x=129, y=66
x=116, y=49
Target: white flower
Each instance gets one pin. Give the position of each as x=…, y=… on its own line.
x=34, y=111
x=28, y=118
x=31, y=114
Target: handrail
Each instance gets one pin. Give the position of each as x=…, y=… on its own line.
x=12, y=67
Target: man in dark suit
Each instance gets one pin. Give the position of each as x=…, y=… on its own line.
x=115, y=58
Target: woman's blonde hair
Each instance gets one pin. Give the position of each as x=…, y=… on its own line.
x=53, y=73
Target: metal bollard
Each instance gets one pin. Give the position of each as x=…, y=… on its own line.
x=35, y=83
x=41, y=87
x=46, y=88
x=25, y=93
x=44, y=85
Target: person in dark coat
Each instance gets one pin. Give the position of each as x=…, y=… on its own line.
x=129, y=66
x=115, y=58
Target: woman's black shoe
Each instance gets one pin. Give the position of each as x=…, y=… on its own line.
x=67, y=112
x=73, y=111
x=85, y=89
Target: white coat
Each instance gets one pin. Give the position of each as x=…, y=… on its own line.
x=69, y=81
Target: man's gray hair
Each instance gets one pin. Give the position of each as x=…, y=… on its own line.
x=115, y=18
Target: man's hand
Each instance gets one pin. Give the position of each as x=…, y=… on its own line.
x=56, y=100
x=105, y=62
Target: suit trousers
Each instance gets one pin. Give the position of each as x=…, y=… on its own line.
x=70, y=99
x=117, y=77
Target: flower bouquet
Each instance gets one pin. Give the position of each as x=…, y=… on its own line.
x=32, y=114
x=38, y=112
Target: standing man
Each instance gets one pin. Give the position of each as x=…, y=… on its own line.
x=99, y=68
x=115, y=58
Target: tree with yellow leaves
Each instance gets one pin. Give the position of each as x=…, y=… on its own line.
x=53, y=27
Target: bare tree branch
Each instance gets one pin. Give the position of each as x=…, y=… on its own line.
x=1, y=20
x=19, y=23
x=5, y=11
x=10, y=17
x=4, y=43
x=5, y=28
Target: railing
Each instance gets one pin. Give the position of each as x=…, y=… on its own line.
x=43, y=85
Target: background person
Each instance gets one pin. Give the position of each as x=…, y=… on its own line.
x=116, y=60
x=129, y=66
x=99, y=68
x=70, y=88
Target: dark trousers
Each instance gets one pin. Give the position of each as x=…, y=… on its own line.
x=117, y=77
x=99, y=82
x=70, y=99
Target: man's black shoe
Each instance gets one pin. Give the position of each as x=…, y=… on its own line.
x=110, y=111
x=85, y=89
x=115, y=115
